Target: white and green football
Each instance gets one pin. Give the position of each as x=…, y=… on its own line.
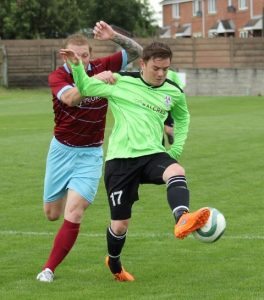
x=213, y=229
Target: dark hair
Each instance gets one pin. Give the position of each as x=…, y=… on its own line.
x=156, y=50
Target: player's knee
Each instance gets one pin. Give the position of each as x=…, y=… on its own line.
x=75, y=214
x=74, y=217
x=119, y=227
x=173, y=170
x=52, y=215
x=179, y=170
x=53, y=210
x=120, y=230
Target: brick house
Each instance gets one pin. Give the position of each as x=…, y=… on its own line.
x=212, y=18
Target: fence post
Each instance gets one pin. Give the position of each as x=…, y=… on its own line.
x=194, y=52
x=231, y=52
x=53, y=59
x=3, y=67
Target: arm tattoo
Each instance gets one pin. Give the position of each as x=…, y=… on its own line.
x=133, y=49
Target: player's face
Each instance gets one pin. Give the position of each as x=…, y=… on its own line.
x=83, y=52
x=155, y=70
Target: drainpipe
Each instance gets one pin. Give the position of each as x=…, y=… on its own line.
x=263, y=22
x=203, y=19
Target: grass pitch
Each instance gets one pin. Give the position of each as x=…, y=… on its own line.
x=223, y=158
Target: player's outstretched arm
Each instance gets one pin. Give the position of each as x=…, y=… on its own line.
x=103, y=31
x=70, y=56
x=87, y=86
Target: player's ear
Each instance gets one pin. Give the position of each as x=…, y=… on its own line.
x=63, y=57
x=141, y=63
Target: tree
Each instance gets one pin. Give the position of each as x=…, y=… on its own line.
x=134, y=16
x=144, y=25
x=38, y=18
x=30, y=19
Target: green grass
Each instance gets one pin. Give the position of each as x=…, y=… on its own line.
x=223, y=158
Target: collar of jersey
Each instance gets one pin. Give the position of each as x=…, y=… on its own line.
x=153, y=87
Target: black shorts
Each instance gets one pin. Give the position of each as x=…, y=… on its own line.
x=124, y=175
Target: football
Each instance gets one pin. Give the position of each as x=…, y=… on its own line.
x=213, y=229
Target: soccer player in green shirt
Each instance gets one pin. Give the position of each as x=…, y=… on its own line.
x=140, y=102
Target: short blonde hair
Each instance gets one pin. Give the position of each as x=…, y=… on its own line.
x=77, y=39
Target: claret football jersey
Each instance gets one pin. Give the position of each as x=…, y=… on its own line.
x=82, y=125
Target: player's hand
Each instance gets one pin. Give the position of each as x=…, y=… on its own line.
x=70, y=55
x=102, y=31
x=106, y=76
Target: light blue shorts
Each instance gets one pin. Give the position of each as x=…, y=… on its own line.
x=75, y=168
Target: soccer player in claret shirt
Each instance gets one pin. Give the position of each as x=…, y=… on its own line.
x=140, y=103
x=74, y=162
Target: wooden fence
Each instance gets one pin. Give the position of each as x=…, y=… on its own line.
x=29, y=62
x=3, y=67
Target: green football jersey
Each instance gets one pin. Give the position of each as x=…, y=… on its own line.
x=139, y=111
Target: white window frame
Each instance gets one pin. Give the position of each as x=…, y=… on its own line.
x=176, y=11
x=212, y=6
x=229, y=3
x=197, y=6
x=242, y=4
x=243, y=34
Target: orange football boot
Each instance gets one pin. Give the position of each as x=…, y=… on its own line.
x=123, y=275
x=190, y=222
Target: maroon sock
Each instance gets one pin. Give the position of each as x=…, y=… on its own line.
x=63, y=243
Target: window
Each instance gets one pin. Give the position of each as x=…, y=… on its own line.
x=197, y=7
x=243, y=34
x=230, y=7
x=176, y=11
x=211, y=6
x=242, y=4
